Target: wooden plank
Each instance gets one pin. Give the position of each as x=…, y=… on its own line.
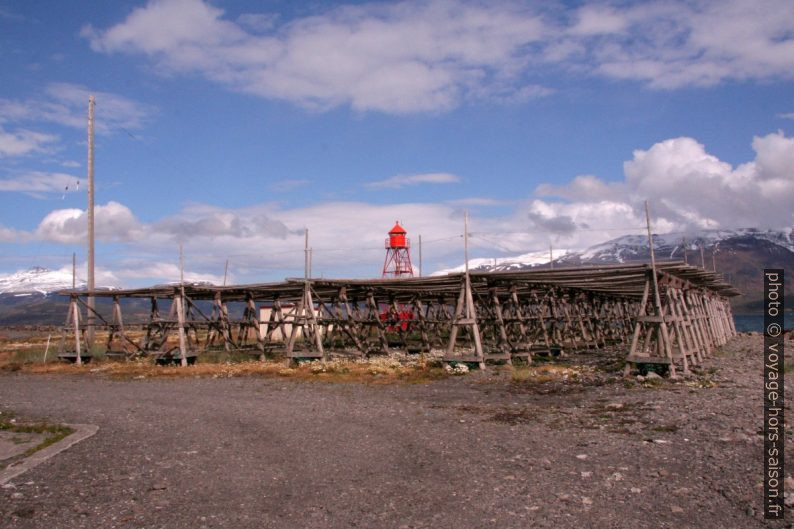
x=637, y=359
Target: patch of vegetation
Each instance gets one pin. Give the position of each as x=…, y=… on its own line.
x=382, y=370
x=53, y=433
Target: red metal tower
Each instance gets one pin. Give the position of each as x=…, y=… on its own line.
x=398, y=257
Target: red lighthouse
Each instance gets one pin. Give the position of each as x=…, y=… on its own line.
x=398, y=257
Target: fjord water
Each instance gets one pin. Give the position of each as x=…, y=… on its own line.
x=755, y=322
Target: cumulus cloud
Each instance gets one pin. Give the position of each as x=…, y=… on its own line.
x=37, y=183
x=66, y=104
x=675, y=44
x=416, y=56
x=12, y=235
x=22, y=141
x=398, y=181
x=690, y=188
x=200, y=221
x=399, y=57
x=113, y=222
x=161, y=272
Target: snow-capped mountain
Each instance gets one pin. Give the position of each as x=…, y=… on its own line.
x=502, y=264
x=37, y=280
x=672, y=246
x=739, y=255
x=632, y=248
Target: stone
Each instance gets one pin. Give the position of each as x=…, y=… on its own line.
x=652, y=376
x=676, y=509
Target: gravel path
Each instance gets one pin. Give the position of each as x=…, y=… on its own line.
x=466, y=452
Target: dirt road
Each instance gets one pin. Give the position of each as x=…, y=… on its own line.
x=465, y=452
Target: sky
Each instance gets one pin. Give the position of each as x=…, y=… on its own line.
x=229, y=127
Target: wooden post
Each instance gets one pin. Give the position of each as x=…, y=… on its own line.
x=90, y=215
x=180, y=314
x=76, y=322
x=551, y=258
x=686, y=260
x=306, y=253
x=665, y=337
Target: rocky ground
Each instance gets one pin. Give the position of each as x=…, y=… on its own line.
x=481, y=450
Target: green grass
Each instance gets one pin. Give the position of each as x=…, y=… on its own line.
x=53, y=432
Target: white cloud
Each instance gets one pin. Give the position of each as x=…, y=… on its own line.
x=257, y=21
x=690, y=188
x=400, y=57
x=398, y=181
x=675, y=44
x=415, y=56
x=161, y=272
x=788, y=115
x=38, y=183
x=12, y=235
x=67, y=104
x=598, y=20
x=23, y=142
x=113, y=222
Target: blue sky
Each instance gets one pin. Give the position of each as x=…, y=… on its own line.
x=230, y=126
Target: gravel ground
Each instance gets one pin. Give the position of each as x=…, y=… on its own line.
x=465, y=452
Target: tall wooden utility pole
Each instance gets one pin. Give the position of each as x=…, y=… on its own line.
x=466, y=243
x=551, y=258
x=91, y=305
x=658, y=301
x=306, y=253
x=686, y=260
x=702, y=257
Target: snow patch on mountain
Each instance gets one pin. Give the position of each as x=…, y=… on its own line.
x=37, y=280
x=671, y=245
x=503, y=264
x=629, y=248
